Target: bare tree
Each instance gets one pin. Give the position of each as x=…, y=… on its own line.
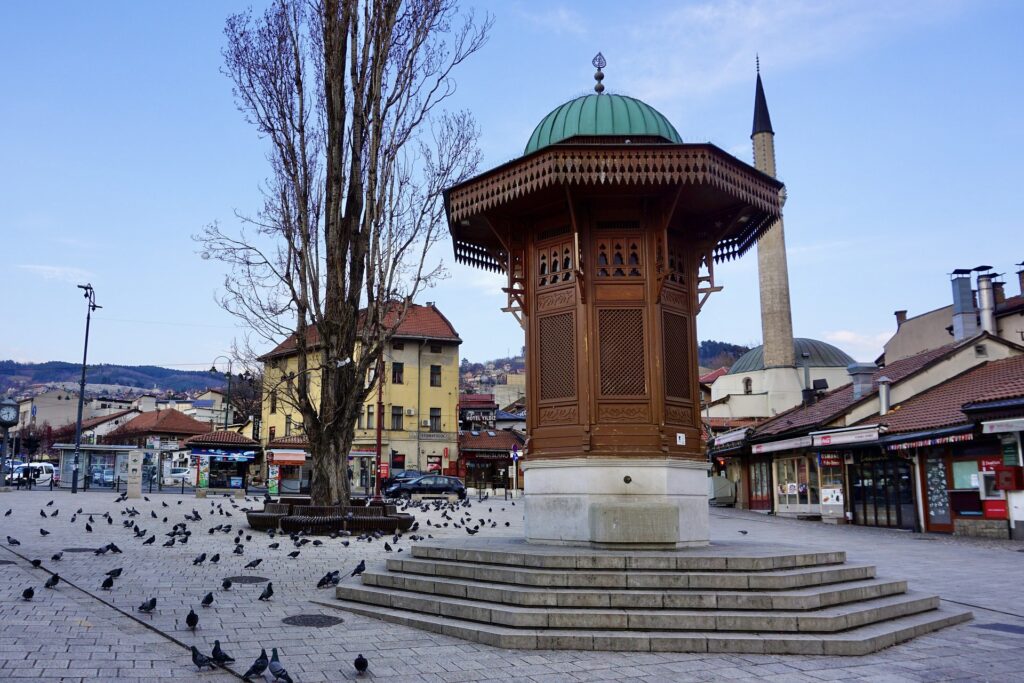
x=347, y=93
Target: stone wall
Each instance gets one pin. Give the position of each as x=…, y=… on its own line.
x=982, y=528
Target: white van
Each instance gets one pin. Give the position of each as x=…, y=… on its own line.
x=42, y=474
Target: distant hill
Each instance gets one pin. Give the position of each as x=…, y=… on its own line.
x=15, y=375
x=716, y=354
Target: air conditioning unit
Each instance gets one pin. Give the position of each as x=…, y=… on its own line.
x=410, y=412
x=424, y=423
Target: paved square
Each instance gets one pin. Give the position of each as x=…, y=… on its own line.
x=80, y=632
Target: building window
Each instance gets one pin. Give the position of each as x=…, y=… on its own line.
x=272, y=433
x=397, y=373
x=435, y=348
x=398, y=346
x=435, y=375
x=287, y=425
x=359, y=420
x=748, y=385
x=273, y=401
x=369, y=418
x=435, y=419
x=397, y=418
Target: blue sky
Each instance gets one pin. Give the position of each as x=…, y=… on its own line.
x=898, y=134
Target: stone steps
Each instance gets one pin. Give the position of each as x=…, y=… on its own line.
x=731, y=597
x=609, y=578
x=857, y=641
x=837, y=618
x=813, y=597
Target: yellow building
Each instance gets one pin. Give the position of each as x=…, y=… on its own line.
x=420, y=400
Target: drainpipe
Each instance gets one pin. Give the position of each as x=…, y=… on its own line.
x=419, y=413
x=883, y=395
x=987, y=303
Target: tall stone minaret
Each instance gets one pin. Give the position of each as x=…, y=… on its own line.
x=776, y=317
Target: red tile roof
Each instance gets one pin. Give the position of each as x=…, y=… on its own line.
x=293, y=441
x=420, y=322
x=713, y=375
x=93, y=422
x=221, y=438
x=835, y=402
x=941, y=406
x=501, y=440
x=167, y=421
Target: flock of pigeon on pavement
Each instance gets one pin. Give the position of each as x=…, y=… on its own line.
x=455, y=514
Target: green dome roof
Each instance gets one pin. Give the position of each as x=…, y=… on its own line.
x=601, y=115
x=821, y=355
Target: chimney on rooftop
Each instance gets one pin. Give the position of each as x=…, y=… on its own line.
x=999, y=288
x=860, y=375
x=965, y=312
x=901, y=317
x=1020, y=278
x=986, y=299
x=883, y=394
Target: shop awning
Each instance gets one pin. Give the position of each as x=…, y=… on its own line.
x=1002, y=426
x=846, y=437
x=287, y=457
x=782, y=445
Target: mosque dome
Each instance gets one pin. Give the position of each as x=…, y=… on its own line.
x=820, y=355
x=603, y=115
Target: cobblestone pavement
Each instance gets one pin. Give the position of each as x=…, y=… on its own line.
x=80, y=632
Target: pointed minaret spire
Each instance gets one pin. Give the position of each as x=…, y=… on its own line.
x=773, y=270
x=762, y=121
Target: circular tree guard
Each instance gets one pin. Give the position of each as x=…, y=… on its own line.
x=313, y=620
x=248, y=579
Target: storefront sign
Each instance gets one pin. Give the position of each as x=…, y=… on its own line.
x=225, y=453
x=272, y=477
x=784, y=445
x=1000, y=426
x=924, y=443
x=1009, y=448
x=830, y=460
x=286, y=457
x=831, y=496
x=385, y=470
x=734, y=436
x=839, y=438
x=362, y=452
x=203, y=476
x=989, y=464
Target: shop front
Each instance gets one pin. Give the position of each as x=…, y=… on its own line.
x=783, y=476
x=99, y=466
x=362, y=460
x=882, y=489
x=960, y=495
x=487, y=459
x=222, y=461
x=288, y=466
x=1010, y=475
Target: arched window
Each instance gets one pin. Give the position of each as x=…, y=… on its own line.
x=748, y=385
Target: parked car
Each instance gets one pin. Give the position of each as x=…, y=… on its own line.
x=400, y=475
x=177, y=474
x=42, y=473
x=430, y=485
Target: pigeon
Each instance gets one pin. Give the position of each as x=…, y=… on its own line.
x=8, y=513
x=258, y=667
x=293, y=554
x=54, y=513
x=387, y=547
x=169, y=543
x=42, y=513
x=52, y=581
x=150, y=540
x=192, y=619
x=472, y=531
x=215, y=559
x=199, y=560
x=361, y=665
x=225, y=584
x=148, y=606
x=116, y=573
x=28, y=593
x=13, y=541
x=238, y=550
x=201, y=660
x=36, y=563
x=108, y=583
x=218, y=655
x=277, y=671
x=360, y=568
x=207, y=599
x=274, y=546
x=56, y=556
x=88, y=527
x=255, y=563
x=268, y=592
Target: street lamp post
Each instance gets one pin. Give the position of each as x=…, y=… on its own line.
x=90, y=296
x=227, y=398
x=8, y=418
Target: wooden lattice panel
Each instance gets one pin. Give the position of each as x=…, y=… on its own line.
x=557, y=337
x=621, y=338
x=676, y=338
